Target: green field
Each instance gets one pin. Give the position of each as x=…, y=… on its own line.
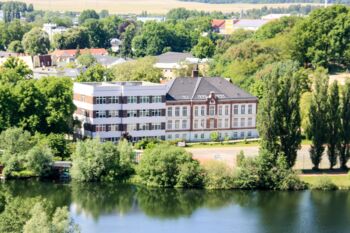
x=342, y=181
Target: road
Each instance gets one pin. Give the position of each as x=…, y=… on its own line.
x=228, y=155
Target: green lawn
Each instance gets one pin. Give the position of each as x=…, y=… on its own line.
x=338, y=180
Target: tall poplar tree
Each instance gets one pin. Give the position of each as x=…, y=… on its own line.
x=318, y=116
x=279, y=114
x=333, y=121
x=344, y=145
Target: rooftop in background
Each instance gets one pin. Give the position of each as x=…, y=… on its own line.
x=173, y=57
x=109, y=61
x=118, y=84
x=73, y=52
x=250, y=23
x=218, y=23
x=200, y=88
x=274, y=16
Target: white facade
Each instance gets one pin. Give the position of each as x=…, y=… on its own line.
x=109, y=110
x=52, y=29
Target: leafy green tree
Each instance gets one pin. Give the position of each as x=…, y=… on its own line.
x=98, y=37
x=13, y=10
x=141, y=69
x=204, y=49
x=36, y=41
x=39, y=222
x=96, y=161
x=72, y=39
x=344, y=145
x=62, y=222
x=95, y=73
x=178, y=14
x=87, y=14
x=104, y=14
x=127, y=155
x=318, y=117
x=169, y=166
x=279, y=111
x=86, y=60
x=39, y=160
x=8, y=106
x=214, y=136
x=111, y=25
x=127, y=37
x=333, y=121
x=238, y=36
x=275, y=27
x=18, y=66
x=16, y=47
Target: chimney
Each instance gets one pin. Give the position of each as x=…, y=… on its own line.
x=195, y=72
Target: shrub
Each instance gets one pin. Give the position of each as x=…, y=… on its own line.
x=239, y=158
x=146, y=143
x=248, y=174
x=324, y=183
x=217, y=175
x=169, y=166
x=214, y=137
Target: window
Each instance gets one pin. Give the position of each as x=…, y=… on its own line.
x=242, y=135
x=170, y=111
x=157, y=126
x=82, y=98
x=250, y=109
x=131, y=99
x=177, y=111
x=202, y=135
x=100, y=128
x=250, y=121
x=227, y=110
x=177, y=136
x=195, y=124
x=144, y=126
x=177, y=124
x=196, y=111
x=114, y=127
x=170, y=125
x=100, y=114
x=202, y=123
x=156, y=112
x=211, y=123
x=131, y=127
x=184, y=136
x=184, y=111
x=235, y=109
x=144, y=99
x=211, y=110
x=131, y=113
x=220, y=123
x=249, y=134
x=170, y=136
x=114, y=99
x=220, y=110
x=226, y=123
x=101, y=100
x=157, y=99
x=195, y=136
x=242, y=122
x=203, y=111
x=235, y=122
x=235, y=135
x=184, y=124
x=144, y=113
x=113, y=113
x=242, y=109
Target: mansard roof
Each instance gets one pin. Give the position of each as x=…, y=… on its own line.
x=200, y=89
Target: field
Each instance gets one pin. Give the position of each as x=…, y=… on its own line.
x=138, y=6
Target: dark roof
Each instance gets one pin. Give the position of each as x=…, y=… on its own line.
x=200, y=88
x=110, y=60
x=173, y=57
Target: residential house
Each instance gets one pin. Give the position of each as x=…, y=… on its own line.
x=69, y=55
x=109, y=61
x=230, y=25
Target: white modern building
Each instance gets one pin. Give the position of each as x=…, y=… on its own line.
x=52, y=29
x=190, y=109
x=115, y=109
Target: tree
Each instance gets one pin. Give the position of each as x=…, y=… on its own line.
x=344, y=145
x=104, y=14
x=275, y=27
x=214, y=136
x=18, y=66
x=139, y=70
x=16, y=47
x=204, y=49
x=169, y=166
x=62, y=222
x=279, y=111
x=178, y=14
x=95, y=73
x=39, y=160
x=318, y=116
x=127, y=156
x=96, y=161
x=127, y=37
x=86, y=60
x=98, y=37
x=36, y=41
x=72, y=39
x=333, y=121
x=87, y=14
x=39, y=222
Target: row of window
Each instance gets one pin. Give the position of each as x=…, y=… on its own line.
x=202, y=136
x=129, y=127
x=222, y=110
x=129, y=113
x=200, y=124
x=129, y=99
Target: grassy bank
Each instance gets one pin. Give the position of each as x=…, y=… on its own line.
x=231, y=144
x=341, y=181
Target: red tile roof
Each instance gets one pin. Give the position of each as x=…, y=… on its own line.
x=73, y=52
x=217, y=23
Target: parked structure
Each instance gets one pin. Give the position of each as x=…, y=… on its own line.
x=185, y=108
x=111, y=110
x=69, y=55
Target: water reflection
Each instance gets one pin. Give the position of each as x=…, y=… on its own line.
x=242, y=211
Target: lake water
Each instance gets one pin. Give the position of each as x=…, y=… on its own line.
x=129, y=209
